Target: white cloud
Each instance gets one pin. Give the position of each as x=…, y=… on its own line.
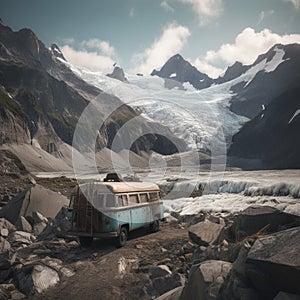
x=94, y=54
x=132, y=12
x=91, y=60
x=296, y=3
x=206, y=10
x=245, y=49
x=171, y=41
x=207, y=68
x=166, y=6
x=263, y=15
x=248, y=45
x=103, y=46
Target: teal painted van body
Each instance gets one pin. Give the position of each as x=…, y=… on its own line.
x=102, y=209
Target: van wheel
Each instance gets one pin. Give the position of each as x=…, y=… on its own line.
x=85, y=241
x=122, y=238
x=154, y=226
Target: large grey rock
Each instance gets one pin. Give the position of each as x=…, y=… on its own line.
x=171, y=295
x=57, y=265
x=206, y=233
x=206, y=280
x=39, y=228
x=23, y=225
x=4, y=232
x=159, y=271
x=4, y=294
x=254, y=218
x=6, y=260
x=161, y=285
x=4, y=245
x=237, y=285
x=286, y=296
x=21, y=237
x=39, y=218
x=273, y=263
x=33, y=279
x=5, y=224
x=33, y=200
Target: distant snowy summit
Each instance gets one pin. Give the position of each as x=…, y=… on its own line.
x=178, y=69
x=118, y=74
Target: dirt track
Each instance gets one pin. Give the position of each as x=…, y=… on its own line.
x=105, y=272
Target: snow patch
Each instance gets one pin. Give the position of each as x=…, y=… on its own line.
x=265, y=66
x=57, y=50
x=294, y=116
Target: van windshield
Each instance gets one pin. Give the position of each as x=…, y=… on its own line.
x=110, y=200
x=99, y=201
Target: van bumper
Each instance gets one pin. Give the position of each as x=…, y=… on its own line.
x=94, y=234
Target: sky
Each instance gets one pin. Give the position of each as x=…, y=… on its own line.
x=140, y=35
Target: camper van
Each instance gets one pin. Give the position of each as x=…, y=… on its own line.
x=114, y=208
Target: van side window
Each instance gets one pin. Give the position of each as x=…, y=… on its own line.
x=119, y=201
x=110, y=200
x=153, y=196
x=133, y=198
x=143, y=198
x=125, y=200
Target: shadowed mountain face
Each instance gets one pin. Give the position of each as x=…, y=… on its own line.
x=266, y=86
x=273, y=135
x=42, y=99
x=178, y=69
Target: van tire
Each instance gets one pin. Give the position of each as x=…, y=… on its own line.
x=122, y=237
x=154, y=226
x=85, y=241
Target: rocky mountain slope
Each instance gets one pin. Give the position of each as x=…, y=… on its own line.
x=41, y=99
x=270, y=80
x=272, y=136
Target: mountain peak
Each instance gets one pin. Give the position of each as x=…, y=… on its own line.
x=57, y=52
x=178, y=69
x=118, y=73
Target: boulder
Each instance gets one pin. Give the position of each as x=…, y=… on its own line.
x=4, y=232
x=6, y=260
x=35, y=278
x=35, y=199
x=171, y=295
x=4, y=245
x=4, y=294
x=57, y=265
x=254, y=218
x=206, y=233
x=273, y=263
x=161, y=285
x=5, y=224
x=206, y=280
x=237, y=285
x=159, y=271
x=286, y=296
x=21, y=237
x=16, y=295
x=39, y=228
x=38, y=218
x=23, y=225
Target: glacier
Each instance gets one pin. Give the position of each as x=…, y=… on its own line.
x=201, y=118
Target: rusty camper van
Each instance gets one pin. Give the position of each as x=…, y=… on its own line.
x=113, y=209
